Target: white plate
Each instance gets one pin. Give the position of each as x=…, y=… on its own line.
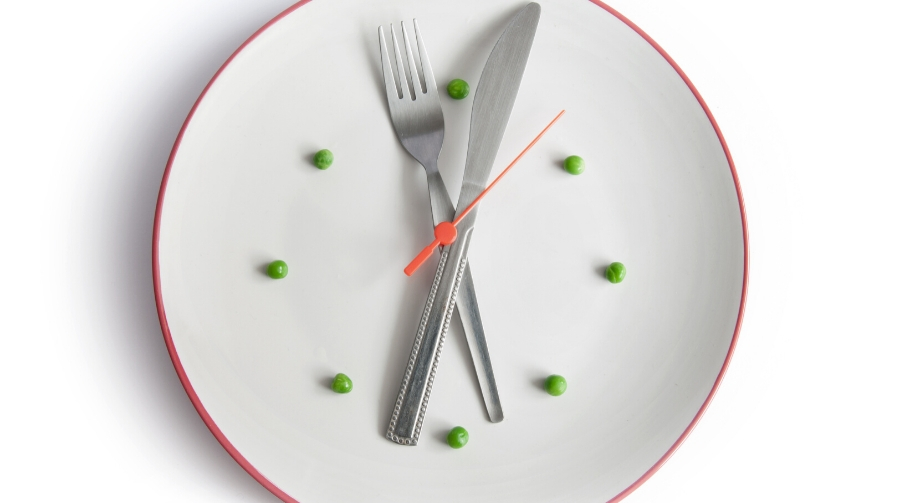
x=642, y=358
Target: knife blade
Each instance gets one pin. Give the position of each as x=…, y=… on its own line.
x=495, y=96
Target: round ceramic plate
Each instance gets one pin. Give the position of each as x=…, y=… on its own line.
x=642, y=357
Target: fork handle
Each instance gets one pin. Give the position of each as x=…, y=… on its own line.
x=418, y=379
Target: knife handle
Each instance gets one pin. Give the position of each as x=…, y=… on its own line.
x=442, y=210
x=418, y=378
x=470, y=316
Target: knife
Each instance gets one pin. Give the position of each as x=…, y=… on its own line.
x=491, y=108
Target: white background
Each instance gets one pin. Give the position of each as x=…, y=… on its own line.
x=93, y=93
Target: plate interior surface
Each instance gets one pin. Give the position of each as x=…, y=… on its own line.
x=641, y=357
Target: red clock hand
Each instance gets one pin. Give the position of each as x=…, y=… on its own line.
x=445, y=232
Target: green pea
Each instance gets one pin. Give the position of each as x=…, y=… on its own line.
x=574, y=165
x=323, y=159
x=458, y=437
x=555, y=385
x=277, y=269
x=458, y=89
x=342, y=384
x=615, y=272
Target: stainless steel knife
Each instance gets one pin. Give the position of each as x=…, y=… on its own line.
x=491, y=108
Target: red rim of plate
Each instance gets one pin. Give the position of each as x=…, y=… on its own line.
x=229, y=447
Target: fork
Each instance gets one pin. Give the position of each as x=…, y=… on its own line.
x=419, y=123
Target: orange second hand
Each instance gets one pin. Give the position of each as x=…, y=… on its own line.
x=471, y=206
x=428, y=250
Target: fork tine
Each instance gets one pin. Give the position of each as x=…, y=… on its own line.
x=423, y=57
x=401, y=72
x=386, y=65
x=413, y=70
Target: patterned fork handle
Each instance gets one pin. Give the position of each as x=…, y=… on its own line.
x=418, y=378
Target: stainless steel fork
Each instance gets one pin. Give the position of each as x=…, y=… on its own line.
x=419, y=123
